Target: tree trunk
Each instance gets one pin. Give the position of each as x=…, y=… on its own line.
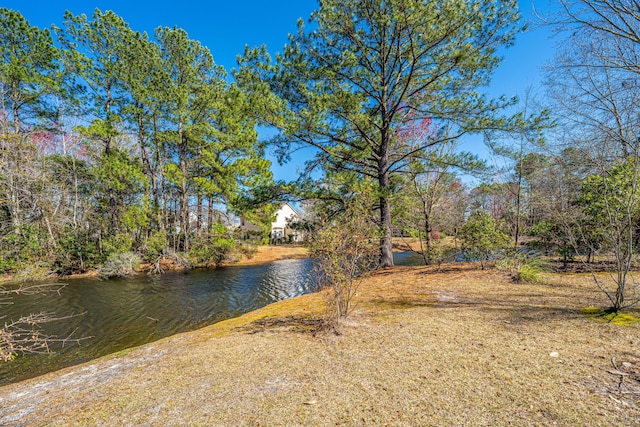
x=518, y=207
x=386, y=249
x=199, y=213
x=184, y=197
x=113, y=216
x=16, y=116
x=151, y=173
x=427, y=237
x=210, y=215
x=184, y=208
x=163, y=221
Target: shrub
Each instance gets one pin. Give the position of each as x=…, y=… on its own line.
x=345, y=247
x=120, y=265
x=36, y=272
x=434, y=254
x=523, y=269
x=482, y=238
x=155, y=245
x=21, y=246
x=76, y=252
x=248, y=250
x=214, y=249
x=117, y=244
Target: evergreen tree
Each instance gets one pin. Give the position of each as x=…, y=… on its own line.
x=365, y=68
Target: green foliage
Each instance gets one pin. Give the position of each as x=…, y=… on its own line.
x=29, y=68
x=482, y=237
x=259, y=213
x=611, y=214
x=8, y=263
x=93, y=51
x=21, y=247
x=117, y=243
x=610, y=202
x=553, y=238
x=76, y=252
x=523, y=269
x=338, y=86
x=161, y=128
x=214, y=249
x=247, y=250
x=434, y=254
x=155, y=245
x=543, y=230
x=136, y=217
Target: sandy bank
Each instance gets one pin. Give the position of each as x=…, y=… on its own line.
x=265, y=254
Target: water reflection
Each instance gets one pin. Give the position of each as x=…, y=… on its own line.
x=123, y=313
x=412, y=259
x=119, y=314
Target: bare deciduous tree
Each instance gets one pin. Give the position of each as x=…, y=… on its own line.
x=24, y=335
x=595, y=85
x=346, y=247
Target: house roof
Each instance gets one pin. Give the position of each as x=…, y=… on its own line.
x=290, y=207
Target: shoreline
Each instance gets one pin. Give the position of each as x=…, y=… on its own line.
x=420, y=342
x=269, y=253
x=264, y=254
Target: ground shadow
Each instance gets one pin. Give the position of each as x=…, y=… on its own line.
x=298, y=324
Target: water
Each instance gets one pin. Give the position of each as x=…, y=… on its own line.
x=408, y=259
x=123, y=313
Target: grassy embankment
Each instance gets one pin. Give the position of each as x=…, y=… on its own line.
x=454, y=346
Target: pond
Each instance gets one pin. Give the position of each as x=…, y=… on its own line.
x=123, y=313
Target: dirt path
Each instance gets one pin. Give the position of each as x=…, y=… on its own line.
x=423, y=347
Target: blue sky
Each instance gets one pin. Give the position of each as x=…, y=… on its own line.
x=225, y=27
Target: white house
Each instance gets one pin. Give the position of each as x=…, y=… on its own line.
x=280, y=229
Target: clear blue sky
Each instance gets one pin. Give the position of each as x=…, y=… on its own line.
x=225, y=27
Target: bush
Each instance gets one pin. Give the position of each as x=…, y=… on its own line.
x=247, y=250
x=36, y=272
x=119, y=243
x=21, y=246
x=434, y=254
x=482, y=238
x=120, y=265
x=155, y=245
x=76, y=253
x=345, y=247
x=522, y=269
x=214, y=249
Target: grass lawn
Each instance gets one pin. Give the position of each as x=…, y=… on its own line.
x=448, y=347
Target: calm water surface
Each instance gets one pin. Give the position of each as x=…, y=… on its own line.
x=124, y=313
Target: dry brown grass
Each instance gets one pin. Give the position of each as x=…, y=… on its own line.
x=455, y=346
x=265, y=254
x=405, y=244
